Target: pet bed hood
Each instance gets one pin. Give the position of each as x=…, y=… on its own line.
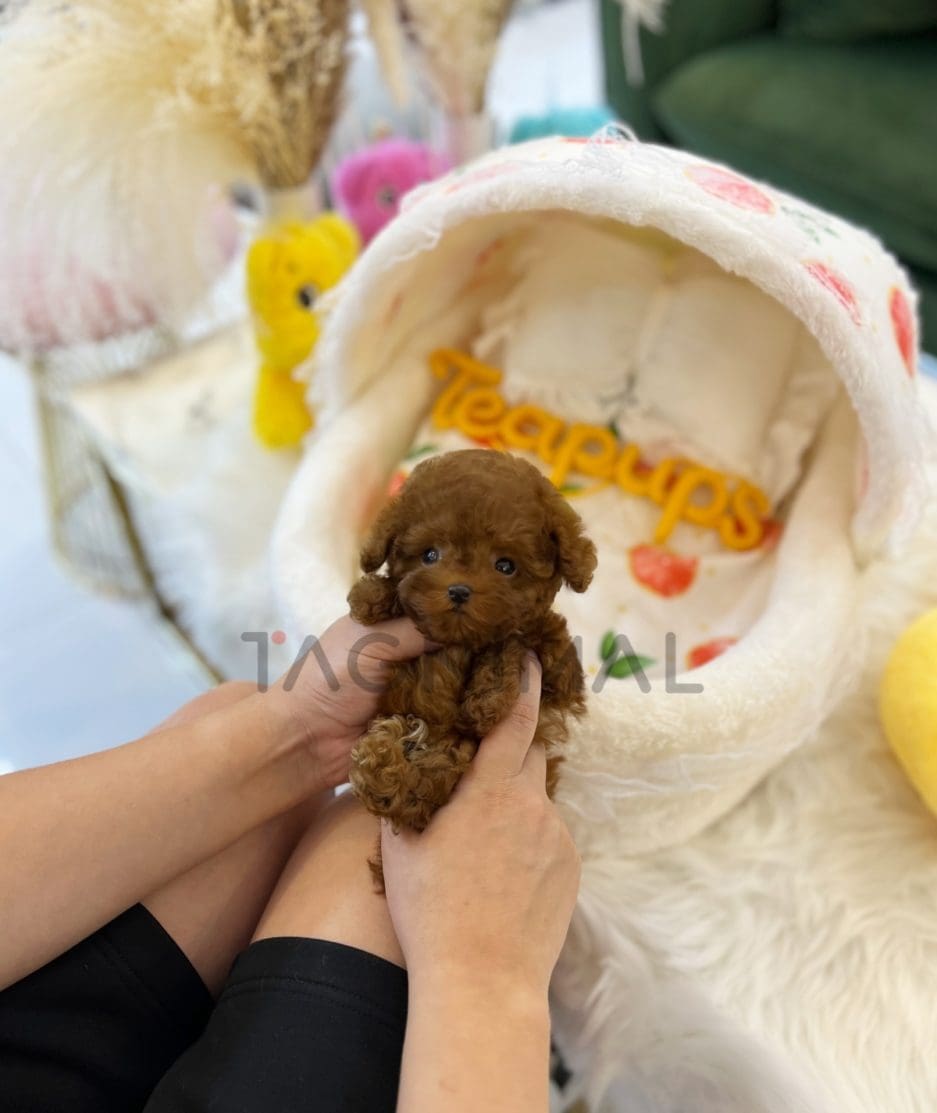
x=847, y=290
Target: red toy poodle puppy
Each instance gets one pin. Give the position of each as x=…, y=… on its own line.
x=476, y=546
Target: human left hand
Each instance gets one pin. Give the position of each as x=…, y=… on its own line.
x=327, y=702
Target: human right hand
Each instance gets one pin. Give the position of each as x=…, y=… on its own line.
x=488, y=889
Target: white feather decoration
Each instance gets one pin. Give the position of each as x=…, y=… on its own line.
x=113, y=168
x=122, y=123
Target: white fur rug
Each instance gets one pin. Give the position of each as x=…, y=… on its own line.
x=786, y=958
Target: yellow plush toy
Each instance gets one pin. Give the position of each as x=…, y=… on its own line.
x=908, y=705
x=289, y=266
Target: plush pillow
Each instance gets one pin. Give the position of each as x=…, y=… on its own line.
x=750, y=406
x=582, y=298
x=855, y=19
x=649, y=320
x=720, y=394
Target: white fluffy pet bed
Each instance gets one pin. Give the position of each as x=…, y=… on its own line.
x=708, y=318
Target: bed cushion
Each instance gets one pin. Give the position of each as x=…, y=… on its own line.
x=627, y=328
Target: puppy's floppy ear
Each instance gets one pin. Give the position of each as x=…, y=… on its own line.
x=575, y=553
x=377, y=544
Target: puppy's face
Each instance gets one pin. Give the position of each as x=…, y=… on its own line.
x=478, y=543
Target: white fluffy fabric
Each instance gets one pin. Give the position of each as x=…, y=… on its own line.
x=837, y=279
x=742, y=944
x=203, y=494
x=656, y=765
x=117, y=149
x=785, y=959
x=636, y=309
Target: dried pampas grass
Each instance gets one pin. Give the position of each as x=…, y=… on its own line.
x=384, y=25
x=122, y=124
x=455, y=42
x=283, y=61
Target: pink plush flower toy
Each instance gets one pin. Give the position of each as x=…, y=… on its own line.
x=367, y=186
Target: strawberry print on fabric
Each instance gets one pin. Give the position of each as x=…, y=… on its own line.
x=838, y=286
x=902, y=323
x=396, y=481
x=731, y=187
x=708, y=651
x=662, y=571
x=773, y=530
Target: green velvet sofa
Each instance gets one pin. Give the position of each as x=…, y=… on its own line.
x=835, y=100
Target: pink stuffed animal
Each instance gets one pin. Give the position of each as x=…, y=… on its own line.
x=367, y=186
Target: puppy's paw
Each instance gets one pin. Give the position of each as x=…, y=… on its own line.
x=373, y=599
x=381, y=773
x=399, y=772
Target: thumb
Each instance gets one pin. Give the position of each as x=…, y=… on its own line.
x=385, y=642
x=502, y=753
x=400, y=640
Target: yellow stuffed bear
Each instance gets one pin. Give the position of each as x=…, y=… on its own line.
x=288, y=267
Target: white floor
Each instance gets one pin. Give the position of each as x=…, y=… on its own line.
x=77, y=672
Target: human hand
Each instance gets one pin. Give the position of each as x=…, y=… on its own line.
x=327, y=702
x=488, y=889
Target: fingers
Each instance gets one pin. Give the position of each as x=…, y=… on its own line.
x=399, y=640
x=368, y=650
x=504, y=751
x=395, y=640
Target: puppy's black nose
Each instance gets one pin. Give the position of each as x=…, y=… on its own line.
x=459, y=593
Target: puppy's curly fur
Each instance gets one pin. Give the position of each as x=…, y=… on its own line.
x=476, y=546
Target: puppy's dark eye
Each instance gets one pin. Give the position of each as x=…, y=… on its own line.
x=430, y=556
x=505, y=566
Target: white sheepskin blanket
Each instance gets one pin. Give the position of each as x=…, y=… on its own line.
x=785, y=959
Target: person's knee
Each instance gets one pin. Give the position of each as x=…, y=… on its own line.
x=327, y=891
x=213, y=910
